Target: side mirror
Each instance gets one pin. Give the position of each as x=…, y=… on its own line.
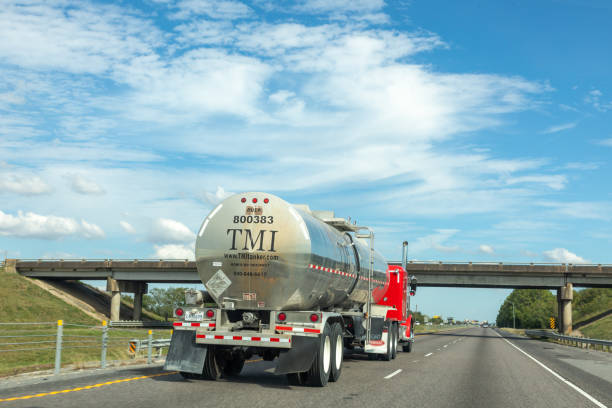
x=413, y=285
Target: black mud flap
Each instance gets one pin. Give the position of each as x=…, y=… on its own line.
x=184, y=354
x=299, y=357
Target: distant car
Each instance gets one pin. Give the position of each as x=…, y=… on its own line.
x=417, y=323
x=484, y=326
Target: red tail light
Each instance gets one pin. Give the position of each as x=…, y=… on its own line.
x=243, y=199
x=254, y=200
x=314, y=317
x=282, y=317
x=411, y=293
x=266, y=200
x=210, y=314
x=178, y=312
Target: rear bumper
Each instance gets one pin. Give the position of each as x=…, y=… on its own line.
x=244, y=339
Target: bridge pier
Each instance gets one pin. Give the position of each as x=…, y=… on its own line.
x=112, y=286
x=565, y=294
x=115, y=287
x=140, y=290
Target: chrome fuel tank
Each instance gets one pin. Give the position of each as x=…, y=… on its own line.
x=260, y=252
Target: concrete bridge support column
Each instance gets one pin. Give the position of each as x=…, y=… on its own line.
x=565, y=294
x=10, y=265
x=139, y=291
x=112, y=286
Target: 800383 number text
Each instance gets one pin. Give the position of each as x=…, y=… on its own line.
x=253, y=219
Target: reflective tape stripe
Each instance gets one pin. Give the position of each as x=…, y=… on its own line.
x=243, y=338
x=189, y=324
x=298, y=329
x=345, y=274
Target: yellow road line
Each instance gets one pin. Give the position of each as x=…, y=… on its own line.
x=87, y=387
x=254, y=361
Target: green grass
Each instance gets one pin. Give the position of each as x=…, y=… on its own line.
x=600, y=329
x=590, y=302
x=21, y=301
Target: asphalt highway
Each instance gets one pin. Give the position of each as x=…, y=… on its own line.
x=471, y=367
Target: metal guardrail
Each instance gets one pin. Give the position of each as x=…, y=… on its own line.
x=138, y=323
x=570, y=339
x=57, y=337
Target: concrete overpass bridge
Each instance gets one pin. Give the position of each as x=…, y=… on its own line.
x=134, y=275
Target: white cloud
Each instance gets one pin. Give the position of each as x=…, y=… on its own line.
x=174, y=251
x=127, y=227
x=91, y=231
x=594, y=97
x=556, y=182
x=225, y=9
x=23, y=184
x=581, y=209
x=435, y=241
x=341, y=5
x=83, y=185
x=218, y=196
x=487, y=249
x=559, y=128
x=583, y=166
x=31, y=225
x=564, y=256
x=164, y=230
x=606, y=142
x=81, y=38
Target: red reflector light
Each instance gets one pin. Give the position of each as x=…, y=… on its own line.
x=178, y=312
x=254, y=200
x=314, y=317
x=210, y=313
x=266, y=200
x=282, y=317
x=411, y=293
x=243, y=199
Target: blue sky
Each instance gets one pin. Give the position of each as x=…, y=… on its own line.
x=477, y=131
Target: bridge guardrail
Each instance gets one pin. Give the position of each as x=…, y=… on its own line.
x=578, y=341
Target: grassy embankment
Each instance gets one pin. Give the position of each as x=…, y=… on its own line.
x=23, y=302
x=591, y=302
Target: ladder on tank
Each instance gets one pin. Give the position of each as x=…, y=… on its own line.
x=370, y=236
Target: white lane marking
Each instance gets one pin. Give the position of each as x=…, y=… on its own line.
x=396, y=372
x=428, y=354
x=445, y=346
x=415, y=361
x=583, y=393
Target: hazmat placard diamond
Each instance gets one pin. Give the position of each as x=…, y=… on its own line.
x=218, y=284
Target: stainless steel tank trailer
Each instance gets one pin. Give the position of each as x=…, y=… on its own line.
x=290, y=284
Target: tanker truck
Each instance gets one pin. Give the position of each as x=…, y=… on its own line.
x=291, y=285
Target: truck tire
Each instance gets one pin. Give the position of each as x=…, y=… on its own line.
x=296, y=378
x=387, y=355
x=233, y=367
x=212, y=366
x=318, y=374
x=337, y=346
x=407, y=347
x=394, y=342
x=188, y=376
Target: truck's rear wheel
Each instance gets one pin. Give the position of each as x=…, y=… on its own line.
x=337, y=352
x=394, y=342
x=233, y=366
x=296, y=378
x=318, y=375
x=212, y=366
x=387, y=355
x=407, y=347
